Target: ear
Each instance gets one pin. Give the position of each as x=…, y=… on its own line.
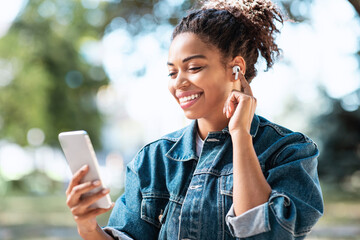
x=238, y=61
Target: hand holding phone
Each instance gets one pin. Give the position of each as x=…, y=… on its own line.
x=79, y=152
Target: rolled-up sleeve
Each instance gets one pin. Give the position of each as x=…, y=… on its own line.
x=295, y=203
x=243, y=225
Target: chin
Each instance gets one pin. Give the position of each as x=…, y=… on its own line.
x=191, y=116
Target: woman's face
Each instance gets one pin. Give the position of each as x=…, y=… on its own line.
x=198, y=80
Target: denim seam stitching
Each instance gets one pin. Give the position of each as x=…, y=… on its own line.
x=182, y=205
x=267, y=220
x=170, y=139
x=222, y=197
x=222, y=210
x=133, y=170
x=156, y=195
x=175, y=201
x=214, y=173
x=226, y=193
x=223, y=190
x=203, y=180
x=275, y=127
x=146, y=218
x=180, y=160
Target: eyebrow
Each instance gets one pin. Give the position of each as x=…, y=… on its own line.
x=188, y=59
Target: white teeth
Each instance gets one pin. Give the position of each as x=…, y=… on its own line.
x=188, y=98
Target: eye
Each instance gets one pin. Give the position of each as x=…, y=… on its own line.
x=194, y=69
x=171, y=74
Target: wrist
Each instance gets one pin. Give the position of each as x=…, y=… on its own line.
x=86, y=232
x=240, y=134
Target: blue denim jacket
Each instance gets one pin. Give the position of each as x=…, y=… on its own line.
x=171, y=193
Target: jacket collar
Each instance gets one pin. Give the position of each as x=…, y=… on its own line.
x=184, y=148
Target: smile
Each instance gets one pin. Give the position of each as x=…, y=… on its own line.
x=188, y=101
x=189, y=98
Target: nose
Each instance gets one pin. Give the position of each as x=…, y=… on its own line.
x=181, y=81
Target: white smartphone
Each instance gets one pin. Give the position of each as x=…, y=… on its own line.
x=78, y=152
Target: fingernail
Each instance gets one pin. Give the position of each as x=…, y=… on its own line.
x=83, y=168
x=105, y=191
x=96, y=183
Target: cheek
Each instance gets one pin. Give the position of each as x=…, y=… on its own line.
x=218, y=91
x=171, y=88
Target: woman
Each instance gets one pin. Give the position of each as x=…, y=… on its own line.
x=230, y=174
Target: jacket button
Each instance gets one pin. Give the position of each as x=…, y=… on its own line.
x=161, y=214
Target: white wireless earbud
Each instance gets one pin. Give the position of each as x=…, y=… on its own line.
x=236, y=70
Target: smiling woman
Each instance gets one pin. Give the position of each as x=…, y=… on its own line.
x=230, y=174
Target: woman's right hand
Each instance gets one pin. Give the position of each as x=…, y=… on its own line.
x=84, y=216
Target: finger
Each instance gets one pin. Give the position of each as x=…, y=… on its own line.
x=226, y=104
x=233, y=101
x=77, y=178
x=245, y=86
x=83, y=206
x=253, y=107
x=92, y=213
x=93, y=198
x=78, y=190
x=252, y=110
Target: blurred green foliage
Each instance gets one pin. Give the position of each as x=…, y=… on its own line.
x=52, y=86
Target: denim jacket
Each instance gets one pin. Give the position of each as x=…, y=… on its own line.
x=171, y=193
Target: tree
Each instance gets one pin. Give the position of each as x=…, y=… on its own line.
x=50, y=86
x=339, y=131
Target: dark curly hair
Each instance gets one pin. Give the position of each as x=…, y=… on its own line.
x=237, y=27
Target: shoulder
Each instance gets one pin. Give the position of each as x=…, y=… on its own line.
x=282, y=144
x=277, y=132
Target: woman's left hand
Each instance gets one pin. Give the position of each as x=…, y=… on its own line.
x=240, y=108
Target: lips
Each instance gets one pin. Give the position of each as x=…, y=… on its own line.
x=189, y=98
x=186, y=100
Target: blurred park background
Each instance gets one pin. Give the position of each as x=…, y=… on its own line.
x=101, y=66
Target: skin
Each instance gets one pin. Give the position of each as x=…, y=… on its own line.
x=196, y=67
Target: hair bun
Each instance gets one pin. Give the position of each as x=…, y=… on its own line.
x=258, y=17
x=256, y=11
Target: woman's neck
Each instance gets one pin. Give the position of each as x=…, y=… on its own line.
x=205, y=126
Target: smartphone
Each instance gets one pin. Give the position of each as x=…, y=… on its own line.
x=79, y=151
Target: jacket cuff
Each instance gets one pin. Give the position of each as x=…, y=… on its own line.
x=250, y=223
x=116, y=234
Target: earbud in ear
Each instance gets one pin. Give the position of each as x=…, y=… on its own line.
x=236, y=70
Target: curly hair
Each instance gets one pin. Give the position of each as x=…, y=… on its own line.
x=237, y=27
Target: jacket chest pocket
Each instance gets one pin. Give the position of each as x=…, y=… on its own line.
x=153, y=209
x=226, y=194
